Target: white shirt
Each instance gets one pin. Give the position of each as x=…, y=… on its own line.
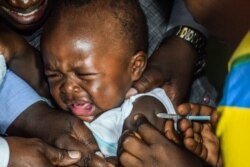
x=2, y=68
x=107, y=128
x=4, y=153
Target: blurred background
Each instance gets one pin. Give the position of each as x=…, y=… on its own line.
x=218, y=54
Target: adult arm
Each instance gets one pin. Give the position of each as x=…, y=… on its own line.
x=59, y=129
x=22, y=59
x=172, y=65
x=23, y=152
x=24, y=113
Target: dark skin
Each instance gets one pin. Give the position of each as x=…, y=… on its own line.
x=220, y=18
x=70, y=78
x=17, y=53
x=38, y=153
x=165, y=59
x=60, y=137
x=157, y=74
x=77, y=140
x=222, y=30
x=27, y=21
x=200, y=140
x=67, y=133
x=155, y=55
x=148, y=147
x=81, y=79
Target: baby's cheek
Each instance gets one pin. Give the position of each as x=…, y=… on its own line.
x=58, y=99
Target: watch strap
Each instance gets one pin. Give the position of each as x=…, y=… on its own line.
x=197, y=40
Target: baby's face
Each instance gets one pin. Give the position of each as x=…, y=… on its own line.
x=87, y=73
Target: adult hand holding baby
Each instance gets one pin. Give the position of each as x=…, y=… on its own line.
x=169, y=67
x=151, y=148
x=34, y=152
x=59, y=129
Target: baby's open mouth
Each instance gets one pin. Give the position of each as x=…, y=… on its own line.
x=82, y=108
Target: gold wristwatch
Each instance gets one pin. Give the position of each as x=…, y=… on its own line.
x=195, y=39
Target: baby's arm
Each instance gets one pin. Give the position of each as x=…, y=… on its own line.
x=147, y=106
x=149, y=147
x=199, y=138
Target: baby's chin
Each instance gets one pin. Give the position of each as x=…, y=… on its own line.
x=86, y=118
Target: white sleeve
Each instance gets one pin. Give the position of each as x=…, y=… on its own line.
x=181, y=16
x=2, y=68
x=4, y=153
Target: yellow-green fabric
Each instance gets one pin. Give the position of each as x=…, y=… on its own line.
x=234, y=124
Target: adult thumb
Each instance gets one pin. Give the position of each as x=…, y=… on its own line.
x=150, y=79
x=60, y=157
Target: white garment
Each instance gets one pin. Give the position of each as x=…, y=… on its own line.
x=4, y=153
x=2, y=68
x=107, y=128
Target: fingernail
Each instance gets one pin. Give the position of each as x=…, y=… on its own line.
x=125, y=132
x=139, y=120
x=99, y=153
x=137, y=135
x=74, y=154
x=131, y=92
x=111, y=165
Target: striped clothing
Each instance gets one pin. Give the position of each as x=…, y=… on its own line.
x=234, y=125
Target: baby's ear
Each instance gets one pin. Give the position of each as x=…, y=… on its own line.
x=138, y=64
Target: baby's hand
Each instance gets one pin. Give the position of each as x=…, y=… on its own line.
x=2, y=68
x=198, y=137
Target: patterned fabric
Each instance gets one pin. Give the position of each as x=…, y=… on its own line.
x=156, y=22
x=233, y=127
x=34, y=39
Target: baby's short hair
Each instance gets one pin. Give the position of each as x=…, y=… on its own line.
x=127, y=13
